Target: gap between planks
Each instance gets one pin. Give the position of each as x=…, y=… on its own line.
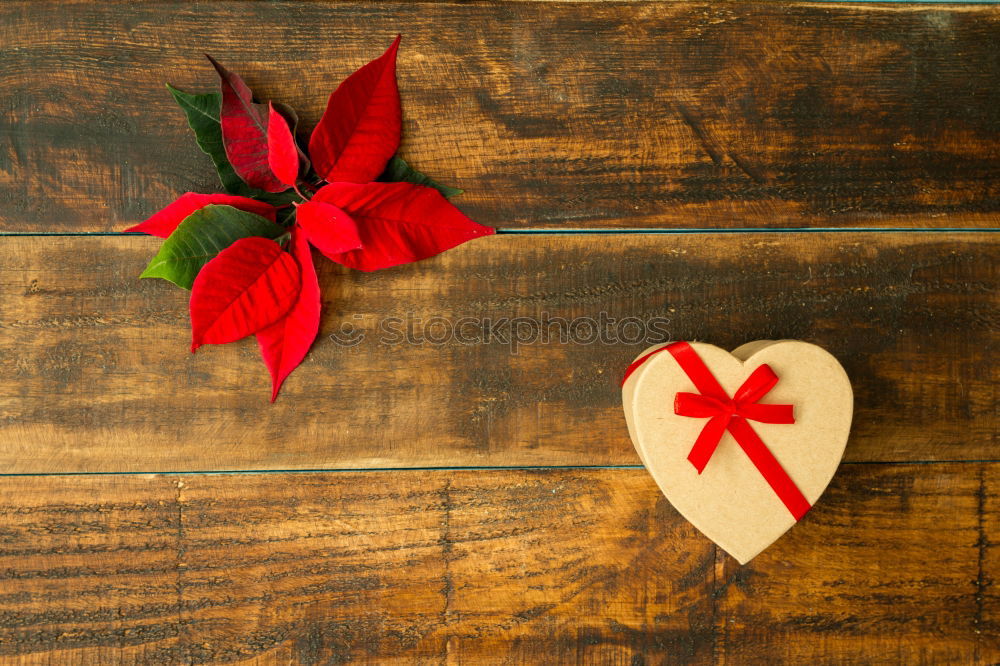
x=486, y=468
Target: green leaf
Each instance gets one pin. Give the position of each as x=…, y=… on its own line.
x=202, y=235
x=202, y=113
x=398, y=171
x=285, y=216
x=203, y=116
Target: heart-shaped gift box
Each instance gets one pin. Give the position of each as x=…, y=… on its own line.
x=741, y=443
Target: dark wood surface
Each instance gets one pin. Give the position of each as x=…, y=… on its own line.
x=552, y=116
x=682, y=114
x=510, y=566
x=102, y=379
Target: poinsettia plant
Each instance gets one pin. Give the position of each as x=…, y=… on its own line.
x=246, y=254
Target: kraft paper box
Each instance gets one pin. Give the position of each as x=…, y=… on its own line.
x=741, y=443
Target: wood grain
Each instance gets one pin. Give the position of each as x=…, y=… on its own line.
x=99, y=378
x=532, y=567
x=671, y=114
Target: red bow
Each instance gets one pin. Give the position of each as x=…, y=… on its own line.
x=725, y=413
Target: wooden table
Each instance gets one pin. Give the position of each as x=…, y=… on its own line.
x=828, y=172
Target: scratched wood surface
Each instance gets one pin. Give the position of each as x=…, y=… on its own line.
x=100, y=377
x=686, y=114
x=551, y=116
x=513, y=566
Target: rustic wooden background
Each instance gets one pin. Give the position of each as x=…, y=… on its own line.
x=829, y=172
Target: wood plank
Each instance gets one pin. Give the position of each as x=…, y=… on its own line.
x=557, y=566
x=987, y=622
x=673, y=114
x=863, y=557
x=99, y=378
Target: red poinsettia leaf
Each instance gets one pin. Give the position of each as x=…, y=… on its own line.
x=282, y=154
x=398, y=223
x=248, y=286
x=285, y=343
x=292, y=118
x=244, y=132
x=327, y=227
x=359, y=130
x=164, y=222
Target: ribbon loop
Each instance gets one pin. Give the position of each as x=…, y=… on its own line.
x=758, y=384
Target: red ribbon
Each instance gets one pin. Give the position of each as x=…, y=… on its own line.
x=725, y=413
